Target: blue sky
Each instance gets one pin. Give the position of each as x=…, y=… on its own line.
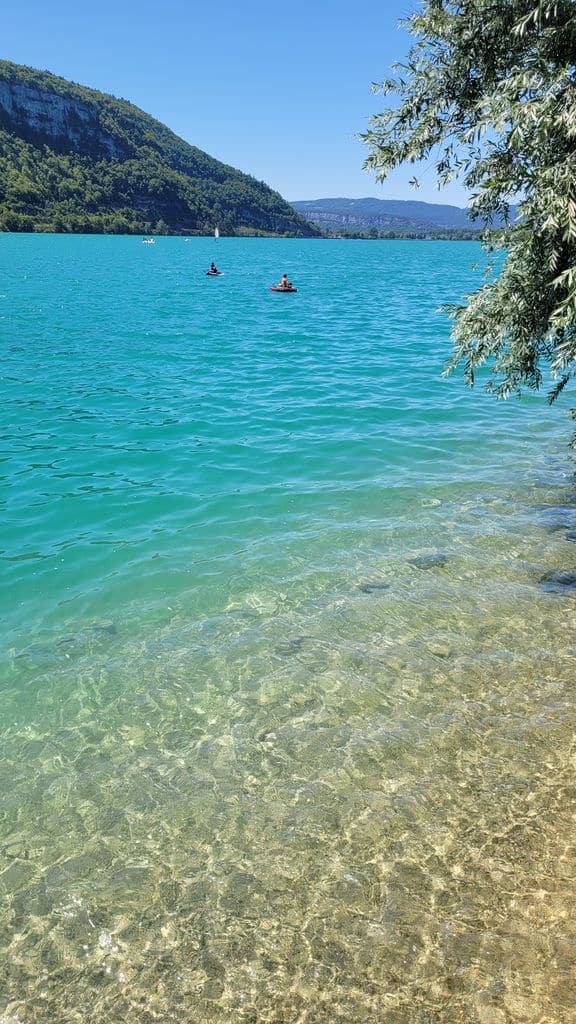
x=279, y=91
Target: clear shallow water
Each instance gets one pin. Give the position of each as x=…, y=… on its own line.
x=286, y=718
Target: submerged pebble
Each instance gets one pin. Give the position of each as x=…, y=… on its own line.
x=432, y=561
x=67, y=645
x=373, y=587
x=439, y=649
x=557, y=517
x=293, y=646
x=558, y=581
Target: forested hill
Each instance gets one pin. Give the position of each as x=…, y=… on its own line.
x=73, y=159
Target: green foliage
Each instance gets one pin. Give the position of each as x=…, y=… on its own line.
x=419, y=234
x=489, y=90
x=113, y=168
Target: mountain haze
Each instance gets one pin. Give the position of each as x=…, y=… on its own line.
x=384, y=214
x=74, y=159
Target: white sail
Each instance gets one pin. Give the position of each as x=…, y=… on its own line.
x=216, y=232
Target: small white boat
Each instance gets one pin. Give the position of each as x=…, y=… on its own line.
x=148, y=241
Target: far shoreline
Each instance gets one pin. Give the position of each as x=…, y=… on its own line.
x=190, y=236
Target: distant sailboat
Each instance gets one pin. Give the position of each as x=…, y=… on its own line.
x=216, y=233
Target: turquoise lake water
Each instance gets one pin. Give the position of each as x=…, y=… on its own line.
x=286, y=712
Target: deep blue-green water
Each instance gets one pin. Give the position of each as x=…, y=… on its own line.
x=286, y=714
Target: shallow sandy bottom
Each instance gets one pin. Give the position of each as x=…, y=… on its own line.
x=321, y=806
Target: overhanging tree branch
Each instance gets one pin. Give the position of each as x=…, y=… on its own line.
x=491, y=87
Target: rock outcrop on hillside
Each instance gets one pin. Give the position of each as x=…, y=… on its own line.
x=73, y=159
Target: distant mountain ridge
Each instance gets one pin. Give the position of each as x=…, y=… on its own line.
x=384, y=214
x=74, y=159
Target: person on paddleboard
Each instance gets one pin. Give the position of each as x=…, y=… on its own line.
x=285, y=283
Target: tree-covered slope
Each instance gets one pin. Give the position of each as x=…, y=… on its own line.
x=73, y=159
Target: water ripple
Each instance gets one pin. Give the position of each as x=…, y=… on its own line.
x=285, y=703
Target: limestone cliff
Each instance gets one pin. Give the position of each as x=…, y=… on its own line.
x=39, y=114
